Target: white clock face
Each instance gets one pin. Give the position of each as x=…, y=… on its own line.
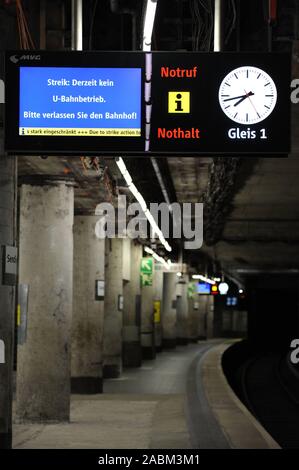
x=247, y=95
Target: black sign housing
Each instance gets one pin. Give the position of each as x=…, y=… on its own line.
x=191, y=103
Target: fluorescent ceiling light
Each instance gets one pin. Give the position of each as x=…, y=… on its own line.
x=148, y=26
x=148, y=112
x=147, y=130
x=167, y=246
x=223, y=288
x=138, y=196
x=147, y=91
x=127, y=178
x=121, y=165
x=157, y=257
x=148, y=67
x=203, y=278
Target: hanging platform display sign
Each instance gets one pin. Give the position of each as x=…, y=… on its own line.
x=138, y=104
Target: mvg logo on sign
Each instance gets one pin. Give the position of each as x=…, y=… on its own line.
x=179, y=102
x=16, y=58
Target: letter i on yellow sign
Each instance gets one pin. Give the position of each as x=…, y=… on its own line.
x=179, y=102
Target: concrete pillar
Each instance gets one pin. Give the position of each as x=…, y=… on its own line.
x=46, y=265
x=7, y=295
x=210, y=316
x=182, y=310
x=132, y=311
x=169, y=314
x=202, y=316
x=158, y=297
x=88, y=307
x=147, y=321
x=113, y=316
x=193, y=312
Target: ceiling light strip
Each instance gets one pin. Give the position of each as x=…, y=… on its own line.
x=148, y=25
x=157, y=257
x=138, y=196
x=203, y=278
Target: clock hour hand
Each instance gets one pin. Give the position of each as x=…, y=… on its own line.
x=244, y=98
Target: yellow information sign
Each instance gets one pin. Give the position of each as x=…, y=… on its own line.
x=157, y=311
x=18, y=315
x=179, y=102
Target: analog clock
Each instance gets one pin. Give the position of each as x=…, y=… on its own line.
x=247, y=95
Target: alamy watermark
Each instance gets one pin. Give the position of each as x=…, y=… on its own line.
x=295, y=92
x=183, y=221
x=294, y=356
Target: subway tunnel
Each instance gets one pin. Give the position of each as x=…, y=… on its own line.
x=178, y=329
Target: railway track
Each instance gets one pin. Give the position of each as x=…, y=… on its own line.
x=269, y=389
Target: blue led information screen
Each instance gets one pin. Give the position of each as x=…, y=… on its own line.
x=203, y=288
x=75, y=101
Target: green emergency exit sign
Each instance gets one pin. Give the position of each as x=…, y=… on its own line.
x=146, y=271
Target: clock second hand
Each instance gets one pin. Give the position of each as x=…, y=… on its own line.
x=252, y=103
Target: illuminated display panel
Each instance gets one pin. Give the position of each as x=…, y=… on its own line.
x=203, y=288
x=143, y=104
x=220, y=103
x=231, y=301
x=73, y=101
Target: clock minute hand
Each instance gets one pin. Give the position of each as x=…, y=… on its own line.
x=244, y=98
x=236, y=98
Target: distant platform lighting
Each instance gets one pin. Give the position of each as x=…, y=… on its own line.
x=223, y=288
x=203, y=278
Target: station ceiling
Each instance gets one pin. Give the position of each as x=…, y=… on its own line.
x=256, y=225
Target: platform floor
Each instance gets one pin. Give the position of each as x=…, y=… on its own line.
x=145, y=408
